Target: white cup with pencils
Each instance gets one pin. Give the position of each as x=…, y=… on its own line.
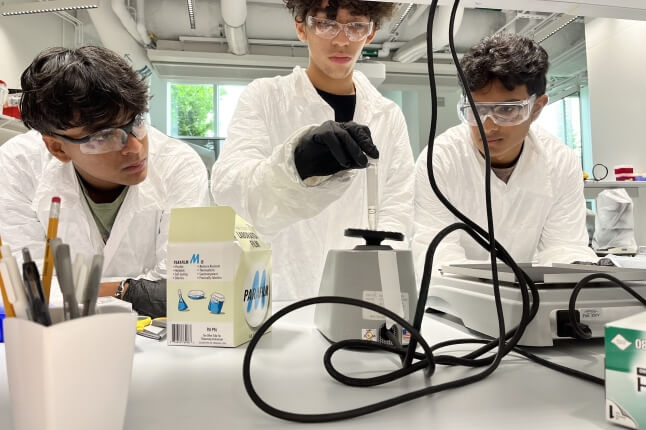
x=71, y=375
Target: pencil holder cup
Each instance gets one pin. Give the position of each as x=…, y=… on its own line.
x=71, y=375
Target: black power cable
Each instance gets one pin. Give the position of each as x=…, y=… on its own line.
x=427, y=361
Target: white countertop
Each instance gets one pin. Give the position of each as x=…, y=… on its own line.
x=191, y=387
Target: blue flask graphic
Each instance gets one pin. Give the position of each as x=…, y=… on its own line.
x=181, y=304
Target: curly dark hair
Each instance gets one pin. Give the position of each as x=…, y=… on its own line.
x=511, y=58
x=376, y=11
x=90, y=87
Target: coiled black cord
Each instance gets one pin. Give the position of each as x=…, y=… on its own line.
x=426, y=360
x=581, y=331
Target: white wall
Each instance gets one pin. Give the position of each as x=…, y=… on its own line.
x=23, y=37
x=616, y=63
x=157, y=106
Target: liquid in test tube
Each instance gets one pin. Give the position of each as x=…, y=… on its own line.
x=373, y=193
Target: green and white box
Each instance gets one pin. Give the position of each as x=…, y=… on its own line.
x=219, y=278
x=626, y=371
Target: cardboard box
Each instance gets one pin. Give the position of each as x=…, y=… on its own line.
x=219, y=278
x=626, y=371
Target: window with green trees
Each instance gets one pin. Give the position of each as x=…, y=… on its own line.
x=202, y=110
x=192, y=110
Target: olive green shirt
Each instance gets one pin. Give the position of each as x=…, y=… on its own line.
x=104, y=213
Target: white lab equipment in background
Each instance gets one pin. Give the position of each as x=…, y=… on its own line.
x=590, y=221
x=3, y=94
x=615, y=223
x=10, y=127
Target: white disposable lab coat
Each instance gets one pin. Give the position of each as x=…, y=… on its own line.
x=255, y=174
x=539, y=214
x=31, y=176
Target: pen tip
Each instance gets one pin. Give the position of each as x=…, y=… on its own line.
x=56, y=199
x=26, y=256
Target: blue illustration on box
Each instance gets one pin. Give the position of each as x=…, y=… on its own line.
x=216, y=303
x=181, y=304
x=255, y=300
x=196, y=294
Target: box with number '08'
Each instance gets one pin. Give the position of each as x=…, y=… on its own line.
x=625, y=342
x=219, y=278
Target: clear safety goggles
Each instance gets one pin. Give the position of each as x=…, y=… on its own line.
x=109, y=139
x=502, y=113
x=329, y=28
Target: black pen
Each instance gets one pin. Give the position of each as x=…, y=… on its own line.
x=34, y=290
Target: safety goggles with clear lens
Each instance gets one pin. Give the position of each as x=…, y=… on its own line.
x=109, y=139
x=329, y=28
x=501, y=113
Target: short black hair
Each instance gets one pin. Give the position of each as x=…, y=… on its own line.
x=511, y=58
x=90, y=87
x=374, y=10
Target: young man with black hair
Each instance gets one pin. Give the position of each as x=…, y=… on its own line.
x=117, y=177
x=537, y=183
x=293, y=163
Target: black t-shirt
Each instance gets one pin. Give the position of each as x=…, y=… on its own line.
x=343, y=105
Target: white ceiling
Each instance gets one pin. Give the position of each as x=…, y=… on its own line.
x=179, y=47
x=202, y=53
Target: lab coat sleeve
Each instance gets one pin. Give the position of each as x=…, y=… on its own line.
x=187, y=186
x=431, y=216
x=564, y=238
x=19, y=223
x=259, y=181
x=396, y=204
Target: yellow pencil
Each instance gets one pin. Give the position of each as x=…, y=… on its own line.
x=8, y=307
x=52, y=231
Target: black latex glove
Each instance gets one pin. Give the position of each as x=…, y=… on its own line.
x=147, y=297
x=332, y=147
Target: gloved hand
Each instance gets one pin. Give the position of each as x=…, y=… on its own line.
x=332, y=147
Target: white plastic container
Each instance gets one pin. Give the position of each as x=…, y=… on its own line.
x=71, y=375
x=3, y=94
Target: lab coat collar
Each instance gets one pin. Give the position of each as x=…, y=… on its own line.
x=369, y=100
x=531, y=156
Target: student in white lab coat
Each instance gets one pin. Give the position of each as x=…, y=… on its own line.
x=293, y=161
x=537, y=183
x=117, y=177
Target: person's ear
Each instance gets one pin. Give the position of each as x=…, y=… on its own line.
x=300, y=31
x=371, y=35
x=55, y=147
x=539, y=104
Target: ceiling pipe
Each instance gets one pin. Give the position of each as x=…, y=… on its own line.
x=419, y=11
x=415, y=49
x=234, y=14
x=141, y=26
x=393, y=31
x=113, y=37
x=386, y=47
x=119, y=8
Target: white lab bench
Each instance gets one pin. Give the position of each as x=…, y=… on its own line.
x=178, y=387
x=591, y=189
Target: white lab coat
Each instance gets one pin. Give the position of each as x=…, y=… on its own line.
x=255, y=174
x=31, y=176
x=538, y=215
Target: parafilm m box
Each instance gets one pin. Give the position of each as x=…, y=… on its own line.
x=626, y=371
x=219, y=278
